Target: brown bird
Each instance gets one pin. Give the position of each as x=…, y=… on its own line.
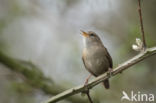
x=95, y=56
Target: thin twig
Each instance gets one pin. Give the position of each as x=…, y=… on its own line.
x=141, y=24
x=89, y=97
x=143, y=55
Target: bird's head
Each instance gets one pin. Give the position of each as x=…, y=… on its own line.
x=91, y=38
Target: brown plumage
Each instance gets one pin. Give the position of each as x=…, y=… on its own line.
x=95, y=56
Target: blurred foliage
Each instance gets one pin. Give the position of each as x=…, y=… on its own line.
x=21, y=87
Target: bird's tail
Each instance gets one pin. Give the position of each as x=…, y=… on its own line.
x=106, y=84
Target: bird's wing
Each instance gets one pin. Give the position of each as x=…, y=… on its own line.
x=109, y=58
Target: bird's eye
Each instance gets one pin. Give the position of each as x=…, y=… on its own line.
x=91, y=34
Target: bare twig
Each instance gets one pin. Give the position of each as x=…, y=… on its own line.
x=141, y=24
x=89, y=97
x=147, y=53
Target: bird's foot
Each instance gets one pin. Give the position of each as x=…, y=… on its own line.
x=109, y=73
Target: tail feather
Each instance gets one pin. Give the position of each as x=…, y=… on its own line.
x=106, y=84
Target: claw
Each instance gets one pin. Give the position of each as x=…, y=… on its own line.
x=109, y=73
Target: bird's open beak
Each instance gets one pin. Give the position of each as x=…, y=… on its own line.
x=84, y=34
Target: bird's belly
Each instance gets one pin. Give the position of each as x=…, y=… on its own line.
x=98, y=64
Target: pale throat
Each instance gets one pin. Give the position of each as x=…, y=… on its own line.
x=89, y=44
x=84, y=42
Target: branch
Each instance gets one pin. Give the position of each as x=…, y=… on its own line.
x=141, y=56
x=35, y=77
x=90, y=99
x=88, y=95
x=141, y=24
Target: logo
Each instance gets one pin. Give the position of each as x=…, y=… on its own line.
x=138, y=97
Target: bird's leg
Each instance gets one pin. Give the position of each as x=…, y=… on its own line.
x=87, y=79
x=110, y=70
x=86, y=83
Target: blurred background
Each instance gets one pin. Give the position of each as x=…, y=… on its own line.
x=47, y=33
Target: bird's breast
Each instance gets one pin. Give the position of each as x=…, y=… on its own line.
x=96, y=60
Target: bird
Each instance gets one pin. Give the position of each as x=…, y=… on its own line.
x=95, y=56
x=125, y=96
